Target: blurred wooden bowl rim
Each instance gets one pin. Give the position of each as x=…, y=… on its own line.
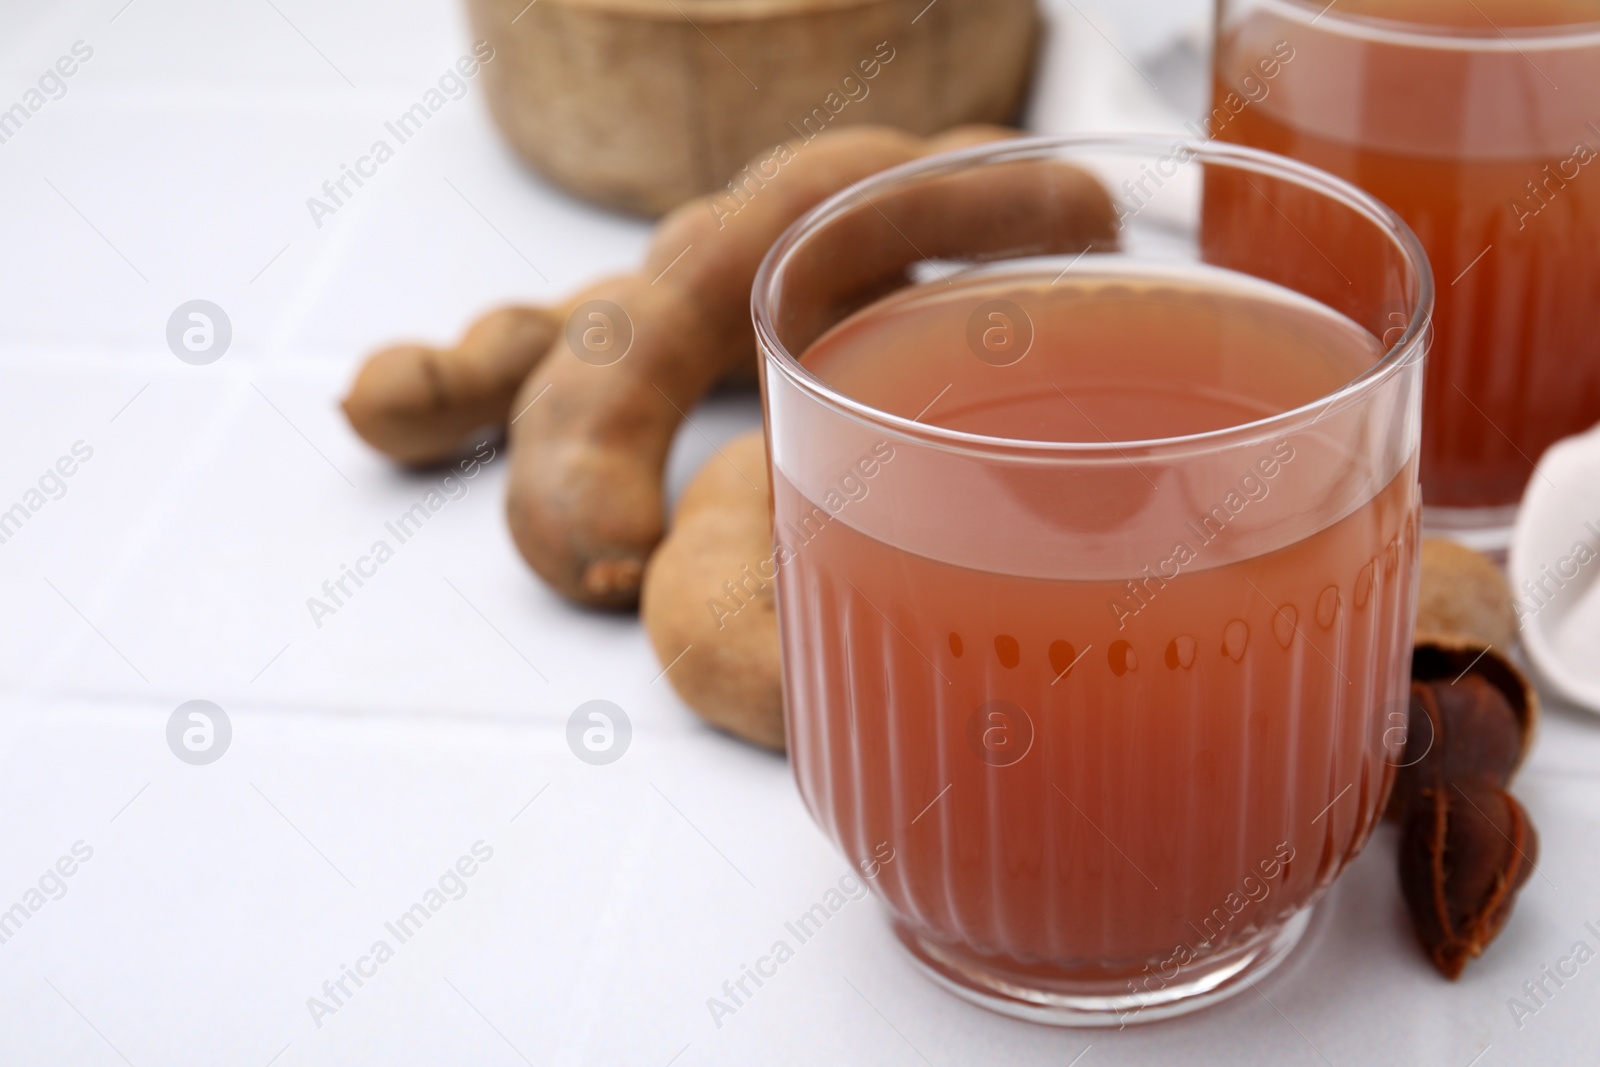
x=713, y=10
x=642, y=104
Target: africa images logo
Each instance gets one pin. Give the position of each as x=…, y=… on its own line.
x=199, y=732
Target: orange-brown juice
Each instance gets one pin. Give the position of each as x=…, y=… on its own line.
x=1485, y=138
x=1103, y=778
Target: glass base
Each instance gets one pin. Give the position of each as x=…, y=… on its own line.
x=1487, y=530
x=1027, y=996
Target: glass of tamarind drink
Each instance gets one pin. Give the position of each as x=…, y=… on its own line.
x=1096, y=517
x=1478, y=121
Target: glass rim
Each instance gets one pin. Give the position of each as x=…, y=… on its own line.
x=1563, y=35
x=1409, y=348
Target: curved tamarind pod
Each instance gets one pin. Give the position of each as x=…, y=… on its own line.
x=722, y=532
x=765, y=208
x=965, y=137
x=419, y=404
x=584, y=496
x=585, y=501
x=724, y=661
x=710, y=249
x=1027, y=207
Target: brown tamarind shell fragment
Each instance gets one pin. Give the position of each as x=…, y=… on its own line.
x=1461, y=730
x=1472, y=713
x=1446, y=657
x=1466, y=845
x=1483, y=738
x=1466, y=848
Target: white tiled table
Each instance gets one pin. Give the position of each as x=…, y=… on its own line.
x=429, y=712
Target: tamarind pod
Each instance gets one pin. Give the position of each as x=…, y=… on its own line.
x=710, y=249
x=890, y=151
x=721, y=534
x=1466, y=849
x=1003, y=210
x=965, y=137
x=419, y=404
x=585, y=501
x=719, y=550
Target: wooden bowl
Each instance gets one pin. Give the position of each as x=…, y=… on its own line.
x=642, y=104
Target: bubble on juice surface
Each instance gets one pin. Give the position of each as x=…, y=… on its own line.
x=1364, y=585
x=1180, y=652
x=1328, y=607
x=1284, y=625
x=956, y=647
x=1235, y=639
x=1010, y=653
x=1122, y=659
x=1062, y=657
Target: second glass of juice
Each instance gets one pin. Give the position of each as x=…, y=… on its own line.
x=1096, y=515
x=1478, y=121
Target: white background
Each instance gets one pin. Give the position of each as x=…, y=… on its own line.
x=370, y=753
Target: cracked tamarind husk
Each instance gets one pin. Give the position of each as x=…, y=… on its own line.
x=1464, y=854
x=1466, y=845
